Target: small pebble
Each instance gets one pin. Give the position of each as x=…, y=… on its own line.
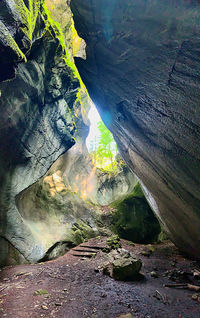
x=195, y=296
x=154, y=274
x=44, y=307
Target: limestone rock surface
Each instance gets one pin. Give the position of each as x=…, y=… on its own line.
x=143, y=73
x=37, y=121
x=64, y=207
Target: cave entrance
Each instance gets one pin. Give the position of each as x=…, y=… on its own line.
x=100, y=143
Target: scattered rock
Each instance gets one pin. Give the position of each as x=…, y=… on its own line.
x=44, y=307
x=122, y=265
x=173, y=264
x=146, y=253
x=113, y=242
x=40, y=292
x=195, y=296
x=177, y=275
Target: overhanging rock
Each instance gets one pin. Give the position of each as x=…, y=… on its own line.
x=143, y=73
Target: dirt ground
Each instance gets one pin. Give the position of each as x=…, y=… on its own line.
x=73, y=287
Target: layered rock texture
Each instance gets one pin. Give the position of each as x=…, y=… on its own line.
x=39, y=109
x=64, y=207
x=143, y=73
x=50, y=192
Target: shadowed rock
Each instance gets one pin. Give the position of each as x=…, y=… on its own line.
x=143, y=73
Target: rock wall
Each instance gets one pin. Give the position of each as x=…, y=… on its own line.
x=64, y=207
x=38, y=110
x=81, y=176
x=50, y=193
x=40, y=119
x=143, y=73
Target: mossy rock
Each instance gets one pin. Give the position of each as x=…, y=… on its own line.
x=133, y=218
x=113, y=242
x=126, y=269
x=82, y=232
x=78, y=237
x=122, y=265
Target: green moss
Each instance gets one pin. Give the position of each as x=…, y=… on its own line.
x=133, y=219
x=130, y=243
x=10, y=42
x=82, y=232
x=54, y=28
x=78, y=237
x=137, y=191
x=113, y=242
x=28, y=16
x=162, y=236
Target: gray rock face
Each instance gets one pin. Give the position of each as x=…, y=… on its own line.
x=43, y=213
x=36, y=127
x=81, y=176
x=64, y=206
x=143, y=73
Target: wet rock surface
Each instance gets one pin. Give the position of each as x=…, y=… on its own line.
x=142, y=72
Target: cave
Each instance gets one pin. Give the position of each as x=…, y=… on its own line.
x=104, y=225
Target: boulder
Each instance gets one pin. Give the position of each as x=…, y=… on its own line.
x=122, y=265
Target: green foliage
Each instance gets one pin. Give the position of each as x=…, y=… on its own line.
x=104, y=156
x=137, y=191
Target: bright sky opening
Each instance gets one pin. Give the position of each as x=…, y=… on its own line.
x=94, y=133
